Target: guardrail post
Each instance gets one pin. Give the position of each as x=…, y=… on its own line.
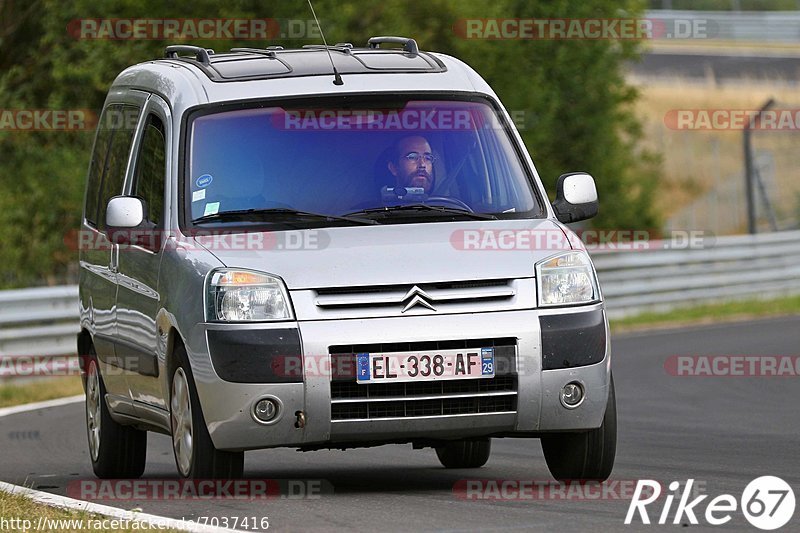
x=749, y=170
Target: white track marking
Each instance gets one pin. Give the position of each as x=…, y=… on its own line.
x=24, y=408
x=54, y=500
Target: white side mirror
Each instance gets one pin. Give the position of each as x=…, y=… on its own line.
x=124, y=212
x=579, y=189
x=576, y=197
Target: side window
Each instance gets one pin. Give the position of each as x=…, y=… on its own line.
x=122, y=122
x=150, y=172
x=97, y=165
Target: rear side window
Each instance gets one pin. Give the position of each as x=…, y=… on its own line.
x=112, y=148
x=150, y=171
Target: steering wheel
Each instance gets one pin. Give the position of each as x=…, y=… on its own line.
x=451, y=201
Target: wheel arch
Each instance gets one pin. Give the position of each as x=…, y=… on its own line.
x=85, y=343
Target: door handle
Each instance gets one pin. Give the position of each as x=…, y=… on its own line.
x=113, y=265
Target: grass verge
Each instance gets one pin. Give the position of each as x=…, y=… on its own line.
x=709, y=314
x=14, y=393
x=20, y=513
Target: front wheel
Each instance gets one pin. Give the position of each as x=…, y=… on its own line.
x=116, y=451
x=195, y=454
x=467, y=453
x=588, y=455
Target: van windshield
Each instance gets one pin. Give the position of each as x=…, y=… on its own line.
x=383, y=160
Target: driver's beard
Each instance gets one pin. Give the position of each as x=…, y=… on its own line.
x=428, y=181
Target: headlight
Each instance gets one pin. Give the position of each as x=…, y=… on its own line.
x=245, y=296
x=566, y=279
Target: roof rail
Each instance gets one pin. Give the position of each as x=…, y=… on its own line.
x=338, y=47
x=200, y=54
x=268, y=53
x=409, y=45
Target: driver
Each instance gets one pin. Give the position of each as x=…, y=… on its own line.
x=412, y=163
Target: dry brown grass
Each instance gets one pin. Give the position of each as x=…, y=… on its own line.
x=694, y=162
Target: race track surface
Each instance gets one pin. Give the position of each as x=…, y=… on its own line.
x=721, y=431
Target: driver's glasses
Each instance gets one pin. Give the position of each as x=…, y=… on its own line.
x=414, y=157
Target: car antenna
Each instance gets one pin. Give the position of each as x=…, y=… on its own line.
x=337, y=79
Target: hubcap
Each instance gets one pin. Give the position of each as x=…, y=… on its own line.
x=93, y=410
x=181, y=417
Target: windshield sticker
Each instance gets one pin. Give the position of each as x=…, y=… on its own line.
x=204, y=181
x=212, y=208
x=199, y=195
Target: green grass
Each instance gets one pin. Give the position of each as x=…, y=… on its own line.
x=706, y=314
x=12, y=393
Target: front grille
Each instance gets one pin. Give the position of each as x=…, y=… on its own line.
x=352, y=390
x=437, y=294
x=415, y=408
x=351, y=401
x=375, y=289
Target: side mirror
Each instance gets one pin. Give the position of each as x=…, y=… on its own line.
x=576, y=197
x=126, y=222
x=124, y=212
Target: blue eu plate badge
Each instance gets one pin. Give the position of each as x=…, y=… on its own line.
x=362, y=366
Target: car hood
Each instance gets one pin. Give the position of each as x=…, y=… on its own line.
x=395, y=253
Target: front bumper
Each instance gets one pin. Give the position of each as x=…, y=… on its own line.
x=227, y=406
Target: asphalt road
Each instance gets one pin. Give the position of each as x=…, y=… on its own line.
x=720, y=67
x=721, y=431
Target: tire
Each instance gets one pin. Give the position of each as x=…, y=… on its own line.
x=195, y=454
x=467, y=453
x=588, y=455
x=116, y=451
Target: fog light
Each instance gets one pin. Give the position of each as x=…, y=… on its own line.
x=572, y=395
x=266, y=410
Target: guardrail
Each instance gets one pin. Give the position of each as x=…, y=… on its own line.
x=663, y=278
x=39, y=322
x=44, y=321
x=752, y=26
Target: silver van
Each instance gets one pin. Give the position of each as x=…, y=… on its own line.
x=332, y=247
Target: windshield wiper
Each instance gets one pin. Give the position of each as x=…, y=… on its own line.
x=278, y=212
x=424, y=207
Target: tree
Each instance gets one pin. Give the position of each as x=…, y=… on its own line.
x=576, y=104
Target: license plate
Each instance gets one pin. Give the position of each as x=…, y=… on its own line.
x=425, y=366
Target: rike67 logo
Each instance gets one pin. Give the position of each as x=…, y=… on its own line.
x=767, y=503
